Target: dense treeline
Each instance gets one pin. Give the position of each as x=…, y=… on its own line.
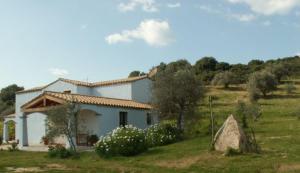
x=207, y=68
x=7, y=99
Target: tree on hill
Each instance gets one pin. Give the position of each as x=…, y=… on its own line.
x=253, y=91
x=206, y=64
x=205, y=68
x=8, y=93
x=223, y=66
x=241, y=72
x=279, y=70
x=7, y=99
x=224, y=78
x=263, y=81
x=256, y=65
x=176, y=91
x=179, y=65
x=136, y=74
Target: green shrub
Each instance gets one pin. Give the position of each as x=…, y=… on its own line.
x=1, y=140
x=13, y=147
x=162, y=134
x=59, y=151
x=232, y=152
x=124, y=141
x=246, y=111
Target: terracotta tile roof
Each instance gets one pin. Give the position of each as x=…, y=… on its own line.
x=119, y=81
x=76, y=82
x=88, y=84
x=104, y=83
x=85, y=99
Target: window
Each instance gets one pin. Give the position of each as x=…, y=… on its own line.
x=149, y=119
x=123, y=118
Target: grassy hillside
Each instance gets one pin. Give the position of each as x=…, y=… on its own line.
x=277, y=132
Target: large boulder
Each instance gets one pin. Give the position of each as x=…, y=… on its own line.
x=230, y=135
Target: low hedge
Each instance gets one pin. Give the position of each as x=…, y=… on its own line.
x=162, y=134
x=124, y=141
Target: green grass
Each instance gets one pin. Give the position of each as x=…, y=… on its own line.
x=277, y=132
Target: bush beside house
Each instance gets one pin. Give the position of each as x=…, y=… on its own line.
x=162, y=134
x=124, y=141
x=59, y=151
x=130, y=141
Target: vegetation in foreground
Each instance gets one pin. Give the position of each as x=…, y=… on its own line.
x=277, y=132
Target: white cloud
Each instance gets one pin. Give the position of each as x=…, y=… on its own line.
x=153, y=32
x=269, y=7
x=146, y=5
x=243, y=17
x=298, y=54
x=267, y=23
x=58, y=72
x=209, y=9
x=175, y=5
x=240, y=17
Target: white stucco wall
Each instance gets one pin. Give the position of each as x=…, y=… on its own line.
x=84, y=90
x=108, y=117
x=121, y=91
x=21, y=99
x=141, y=90
x=36, y=128
x=61, y=86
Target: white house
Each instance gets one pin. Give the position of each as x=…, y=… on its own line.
x=103, y=107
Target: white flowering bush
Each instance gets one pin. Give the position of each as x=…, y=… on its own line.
x=162, y=134
x=125, y=141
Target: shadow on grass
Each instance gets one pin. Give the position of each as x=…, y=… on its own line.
x=282, y=97
x=231, y=88
x=154, y=151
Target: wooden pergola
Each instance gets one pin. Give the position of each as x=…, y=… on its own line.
x=42, y=104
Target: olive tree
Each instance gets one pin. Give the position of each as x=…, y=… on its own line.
x=176, y=91
x=224, y=78
x=279, y=70
x=263, y=81
x=62, y=120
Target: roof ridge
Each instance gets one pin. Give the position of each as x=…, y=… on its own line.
x=119, y=80
x=88, y=84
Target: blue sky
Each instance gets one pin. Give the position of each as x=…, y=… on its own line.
x=94, y=40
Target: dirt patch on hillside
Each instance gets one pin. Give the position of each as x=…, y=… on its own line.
x=58, y=167
x=48, y=167
x=289, y=167
x=30, y=169
x=185, y=162
x=279, y=137
x=115, y=167
x=181, y=163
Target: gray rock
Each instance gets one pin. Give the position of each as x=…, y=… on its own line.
x=230, y=135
